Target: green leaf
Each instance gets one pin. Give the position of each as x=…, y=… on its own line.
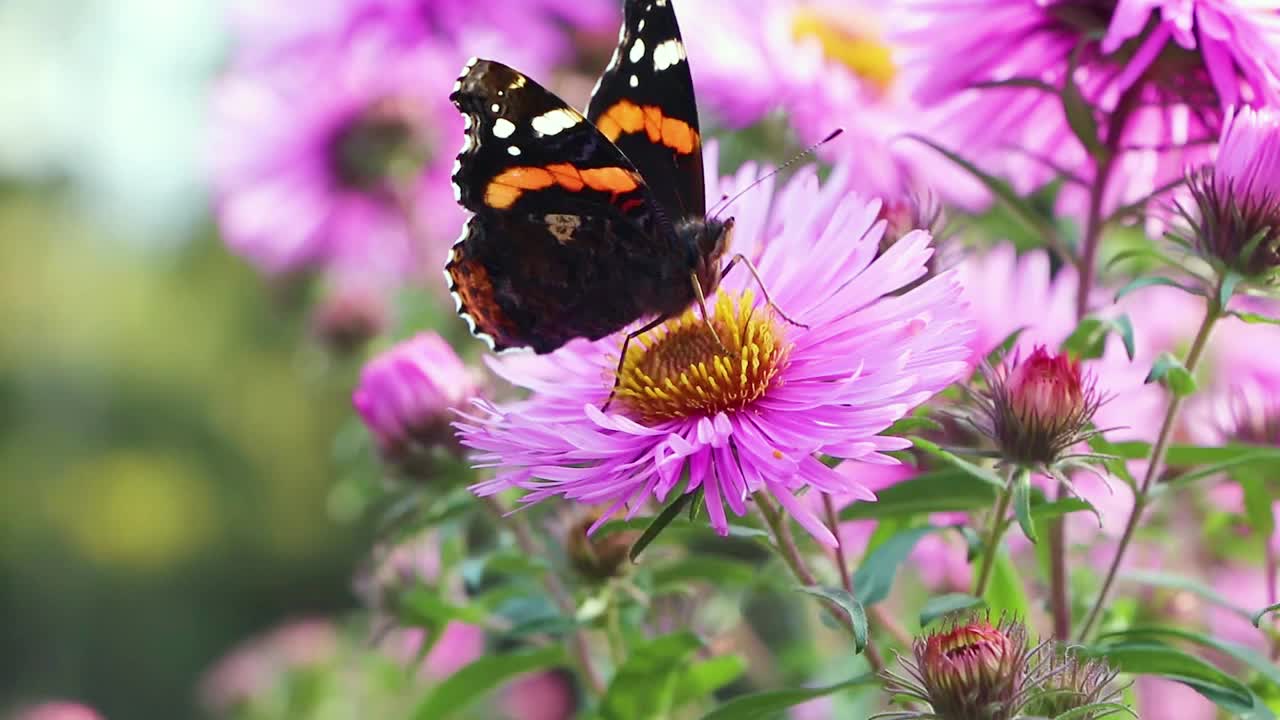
x=1023, y=211
x=1170, y=372
x=1257, y=503
x=771, y=705
x=1006, y=592
x=1149, y=281
x=1079, y=112
x=1218, y=459
x=1153, y=658
x=1127, y=450
x=465, y=686
x=848, y=603
x=1228, y=288
x=1124, y=326
x=1088, y=340
x=1256, y=618
x=1254, y=318
x=421, y=606
x=908, y=425
x=719, y=570
x=1057, y=508
x=1095, y=711
x=974, y=471
x=945, y=490
x=1241, y=653
x=942, y=605
x=1173, y=581
x=664, y=518
x=645, y=685
x=702, y=679
x=1022, y=504
x=874, y=578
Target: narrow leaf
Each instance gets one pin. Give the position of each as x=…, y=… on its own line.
x=704, y=678
x=1151, y=280
x=945, y=490
x=848, y=603
x=1242, y=653
x=1228, y=288
x=1170, y=372
x=957, y=462
x=1173, y=581
x=645, y=685
x=465, y=686
x=1152, y=658
x=664, y=518
x=874, y=577
x=943, y=605
x=1124, y=326
x=1022, y=504
x=1256, y=618
x=1095, y=711
x=771, y=704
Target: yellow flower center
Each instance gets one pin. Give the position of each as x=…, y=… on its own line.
x=678, y=370
x=851, y=43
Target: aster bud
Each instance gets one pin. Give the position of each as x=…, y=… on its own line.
x=597, y=557
x=907, y=213
x=1037, y=408
x=975, y=670
x=406, y=398
x=1238, y=197
x=1069, y=682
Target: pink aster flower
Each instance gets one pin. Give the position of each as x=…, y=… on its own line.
x=58, y=710
x=319, y=161
x=824, y=64
x=1164, y=71
x=751, y=421
x=1008, y=292
x=407, y=395
x=255, y=665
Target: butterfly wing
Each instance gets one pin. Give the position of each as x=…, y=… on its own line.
x=645, y=104
x=563, y=242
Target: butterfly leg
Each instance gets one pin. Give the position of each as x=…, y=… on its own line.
x=702, y=304
x=622, y=356
x=764, y=290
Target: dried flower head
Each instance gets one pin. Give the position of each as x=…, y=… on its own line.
x=974, y=670
x=597, y=557
x=1070, y=682
x=1237, y=219
x=1035, y=409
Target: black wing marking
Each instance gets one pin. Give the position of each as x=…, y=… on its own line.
x=645, y=104
x=564, y=242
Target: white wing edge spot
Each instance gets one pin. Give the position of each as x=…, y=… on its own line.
x=637, y=51
x=513, y=151
x=503, y=128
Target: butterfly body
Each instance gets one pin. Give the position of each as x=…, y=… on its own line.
x=583, y=224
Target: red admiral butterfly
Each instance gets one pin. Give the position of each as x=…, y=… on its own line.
x=583, y=225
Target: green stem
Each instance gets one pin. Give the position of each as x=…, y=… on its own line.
x=519, y=526
x=1143, y=497
x=994, y=533
x=786, y=544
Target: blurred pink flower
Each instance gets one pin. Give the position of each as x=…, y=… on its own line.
x=58, y=710
x=255, y=665
x=539, y=696
x=1008, y=291
x=825, y=64
x=459, y=645
x=864, y=360
x=1159, y=698
x=1171, y=69
x=317, y=160
x=1247, y=588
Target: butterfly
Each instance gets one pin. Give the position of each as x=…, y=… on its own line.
x=582, y=225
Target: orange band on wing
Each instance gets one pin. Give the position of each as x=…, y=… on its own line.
x=625, y=117
x=504, y=190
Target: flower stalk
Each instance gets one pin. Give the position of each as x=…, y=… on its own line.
x=996, y=531
x=786, y=545
x=1213, y=311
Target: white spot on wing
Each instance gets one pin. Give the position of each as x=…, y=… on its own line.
x=503, y=128
x=640, y=27
x=637, y=50
x=495, y=107
x=551, y=123
x=668, y=54
x=513, y=151
x=635, y=81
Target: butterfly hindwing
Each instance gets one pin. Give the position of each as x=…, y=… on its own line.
x=645, y=104
x=563, y=241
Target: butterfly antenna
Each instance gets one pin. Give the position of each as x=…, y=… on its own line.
x=725, y=203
